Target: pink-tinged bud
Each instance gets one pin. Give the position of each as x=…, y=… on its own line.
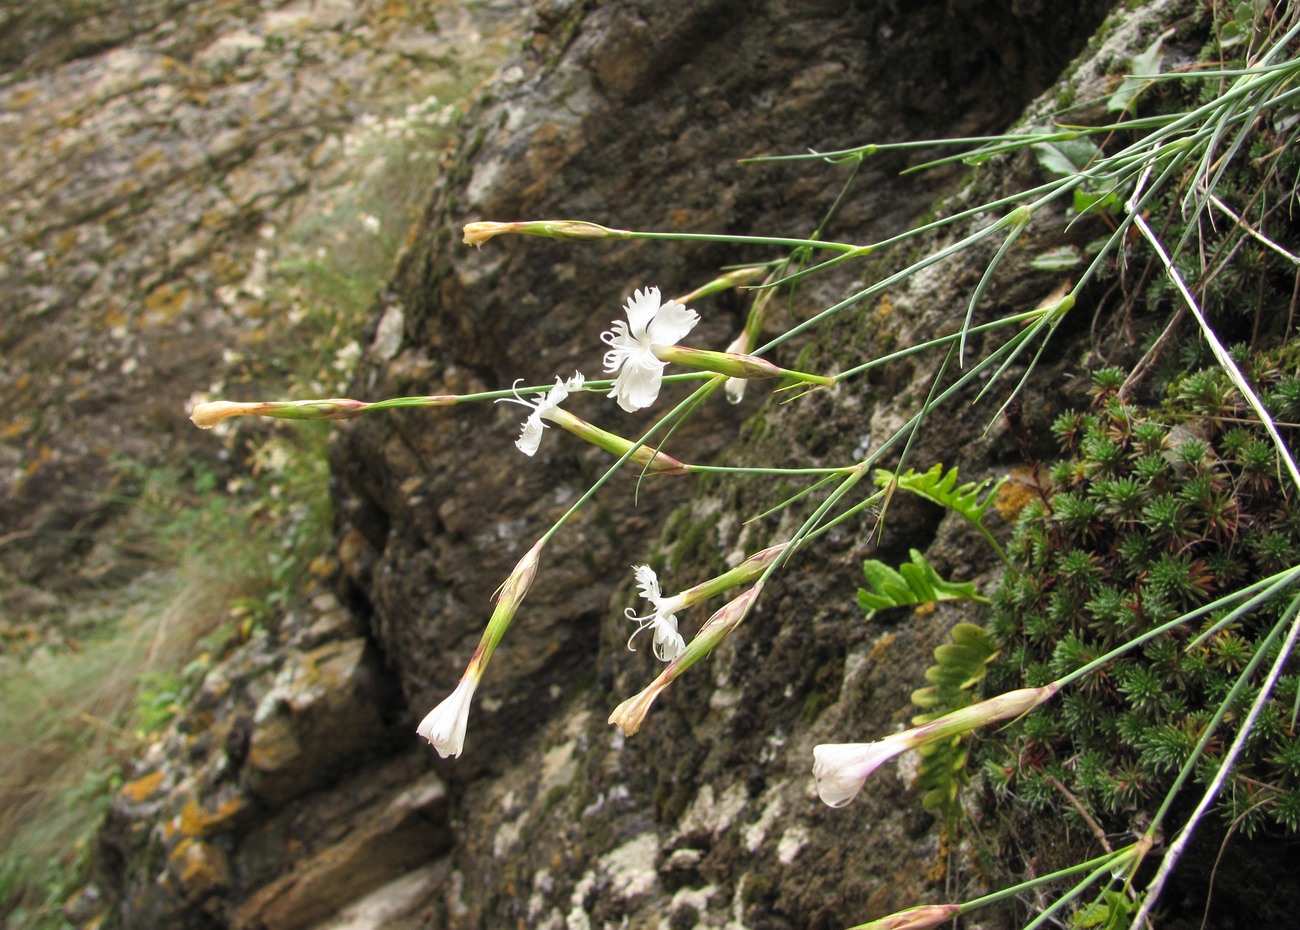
x=646, y=457
x=915, y=918
x=734, y=364
x=629, y=715
x=841, y=769
x=521, y=578
x=444, y=726
x=1000, y=707
x=478, y=233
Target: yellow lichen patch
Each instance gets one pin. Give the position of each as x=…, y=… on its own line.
x=884, y=308
x=66, y=242
x=165, y=301
x=24, y=98
x=148, y=160
x=1016, y=493
x=924, y=610
x=143, y=787
x=16, y=427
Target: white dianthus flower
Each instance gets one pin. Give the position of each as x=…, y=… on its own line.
x=631, y=353
x=668, y=643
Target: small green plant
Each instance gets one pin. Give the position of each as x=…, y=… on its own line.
x=955, y=676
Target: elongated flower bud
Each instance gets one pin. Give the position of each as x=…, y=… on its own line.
x=747, y=571
x=732, y=364
x=647, y=457
x=208, y=415
x=565, y=230
x=914, y=918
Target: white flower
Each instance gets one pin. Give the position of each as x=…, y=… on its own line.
x=668, y=643
x=632, y=345
x=530, y=433
x=842, y=768
x=735, y=387
x=444, y=726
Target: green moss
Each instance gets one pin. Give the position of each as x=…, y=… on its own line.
x=1122, y=547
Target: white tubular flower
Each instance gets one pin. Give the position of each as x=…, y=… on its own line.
x=530, y=433
x=842, y=768
x=735, y=387
x=668, y=643
x=632, y=345
x=444, y=726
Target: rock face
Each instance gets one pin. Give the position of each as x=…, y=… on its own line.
x=301, y=786
x=152, y=152
x=634, y=115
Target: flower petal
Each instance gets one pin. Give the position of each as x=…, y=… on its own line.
x=647, y=581
x=842, y=768
x=640, y=309
x=671, y=323
x=668, y=642
x=530, y=434
x=637, y=385
x=444, y=726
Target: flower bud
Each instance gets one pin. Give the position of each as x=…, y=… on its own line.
x=915, y=918
x=647, y=457
x=565, y=230
x=208, y=415
x=629, y=715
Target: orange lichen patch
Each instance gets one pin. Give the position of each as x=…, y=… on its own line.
x=42, y=457
x=1016, y=493
x=924, y=610
x=882, y=646
x=195, y=821
x=16, y=427
x=143, y=787
x=200, y=867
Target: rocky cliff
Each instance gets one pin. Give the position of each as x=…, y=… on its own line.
x=296, y=784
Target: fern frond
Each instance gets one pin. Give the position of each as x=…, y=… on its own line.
x=942, y=488
x=959, y=666
x=914, y=582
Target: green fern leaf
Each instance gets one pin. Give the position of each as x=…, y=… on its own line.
x=959, y=665
x=913, y=583
x=972, y=500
